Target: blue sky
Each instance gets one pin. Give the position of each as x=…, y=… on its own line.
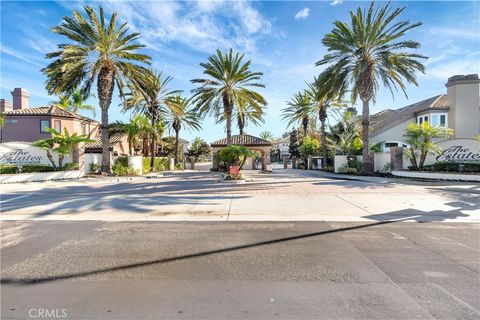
x=282, y=38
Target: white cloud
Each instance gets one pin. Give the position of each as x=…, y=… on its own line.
x=336, y=2
x=203, y=26
x=22, y=56
x=444, y=70
x=302, y=14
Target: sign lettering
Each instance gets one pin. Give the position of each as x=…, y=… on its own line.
x=458, y=153
x=20, y=156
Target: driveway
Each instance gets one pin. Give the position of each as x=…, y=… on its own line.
x=284, y=195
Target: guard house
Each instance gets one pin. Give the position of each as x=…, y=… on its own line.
x=260, y=146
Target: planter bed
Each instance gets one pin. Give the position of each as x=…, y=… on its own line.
x=437, y=175
x=41, y=176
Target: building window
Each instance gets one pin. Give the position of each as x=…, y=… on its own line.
x=11, y=121
x=44, y=124
x=57, y=125
x=436, y=119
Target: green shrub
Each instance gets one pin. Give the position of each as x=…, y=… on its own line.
x=71, y=166
x=161, y=164
x=95, y=167
x=354, y=164
x=179, y=166
x=27, y=168
x=121, y=168
x=469, y=167
x=347, y=170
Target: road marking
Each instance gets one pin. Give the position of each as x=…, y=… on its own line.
x=16, y=198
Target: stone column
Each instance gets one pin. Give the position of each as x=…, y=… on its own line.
x=285, y=162
x=396, y=158
x=264, y=162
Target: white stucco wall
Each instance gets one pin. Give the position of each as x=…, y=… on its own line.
x=23, y=153
x=393, y=134
x=464, y=115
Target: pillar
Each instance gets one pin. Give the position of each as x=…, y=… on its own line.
x=396, y=158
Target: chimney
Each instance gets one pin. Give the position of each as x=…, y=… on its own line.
x=5, y=105
x=20, y=98
x=463, y=100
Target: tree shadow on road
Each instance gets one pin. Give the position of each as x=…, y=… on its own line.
x=382, y=219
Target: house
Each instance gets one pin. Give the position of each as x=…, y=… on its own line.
x=458, y=109
x=258, y=145
x=283, y=147
x=26, y=124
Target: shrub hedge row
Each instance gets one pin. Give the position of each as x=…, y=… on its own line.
x=453, y=167
x=161, y=164
x=29, y=168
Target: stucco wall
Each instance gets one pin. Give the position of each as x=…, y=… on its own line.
x=393, y=134
x=464, y=115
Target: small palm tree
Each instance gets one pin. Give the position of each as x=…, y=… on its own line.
x=148, y=97
x=66, y=143
x=99, y=52
x=323, y=102
x=179, y=114
x=227, y=87
x=47, y=145
x=134, y=129
x=367, y=53
x=298, y=110
x=266, y=135
x=74, y=103
x=421, y=138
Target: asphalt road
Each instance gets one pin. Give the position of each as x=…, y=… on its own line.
x=239, y=270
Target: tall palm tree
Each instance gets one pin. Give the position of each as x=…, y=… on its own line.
x=367, y=53
x=74, y=102
x=298, y=110
x=99, y=51
x=228, y=85
x=179, y=114
x=322, y=103
x=148, y=96
x=244, y=113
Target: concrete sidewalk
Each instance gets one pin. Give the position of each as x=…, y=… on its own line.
x=280, y=196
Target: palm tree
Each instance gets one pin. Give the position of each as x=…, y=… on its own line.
x=46, y=145
x=322, y=102
x=298, y=110
x=366, y=54
x=421, y=138
x=180, y=114
x=100, y=51
x=227, y=87
x=137, y=127
x=74, y=102
x=148, y=96
x=266, y=135
x=66, y=142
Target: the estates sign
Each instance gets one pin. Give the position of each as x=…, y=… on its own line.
x=23, y=153
x=457, y=150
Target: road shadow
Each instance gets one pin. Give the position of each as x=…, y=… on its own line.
x=382, y=219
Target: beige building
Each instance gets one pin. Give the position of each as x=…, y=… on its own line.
x=459, y=110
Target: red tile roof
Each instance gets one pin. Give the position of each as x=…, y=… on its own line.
x=52, y=110
x=242, y=139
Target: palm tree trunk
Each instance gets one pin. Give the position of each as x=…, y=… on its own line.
x=413, y=159
x=60, y=160
x=367, y=165
x=153, y=144
x=105, y=86
x=177, y=138
x=323, y=118
x=50, y=157
x=228, y=113
x=423, y=157
x=241, y=124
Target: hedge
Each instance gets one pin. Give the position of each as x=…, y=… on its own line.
x=29, y=168
x=453, y=167
x=161, y=164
